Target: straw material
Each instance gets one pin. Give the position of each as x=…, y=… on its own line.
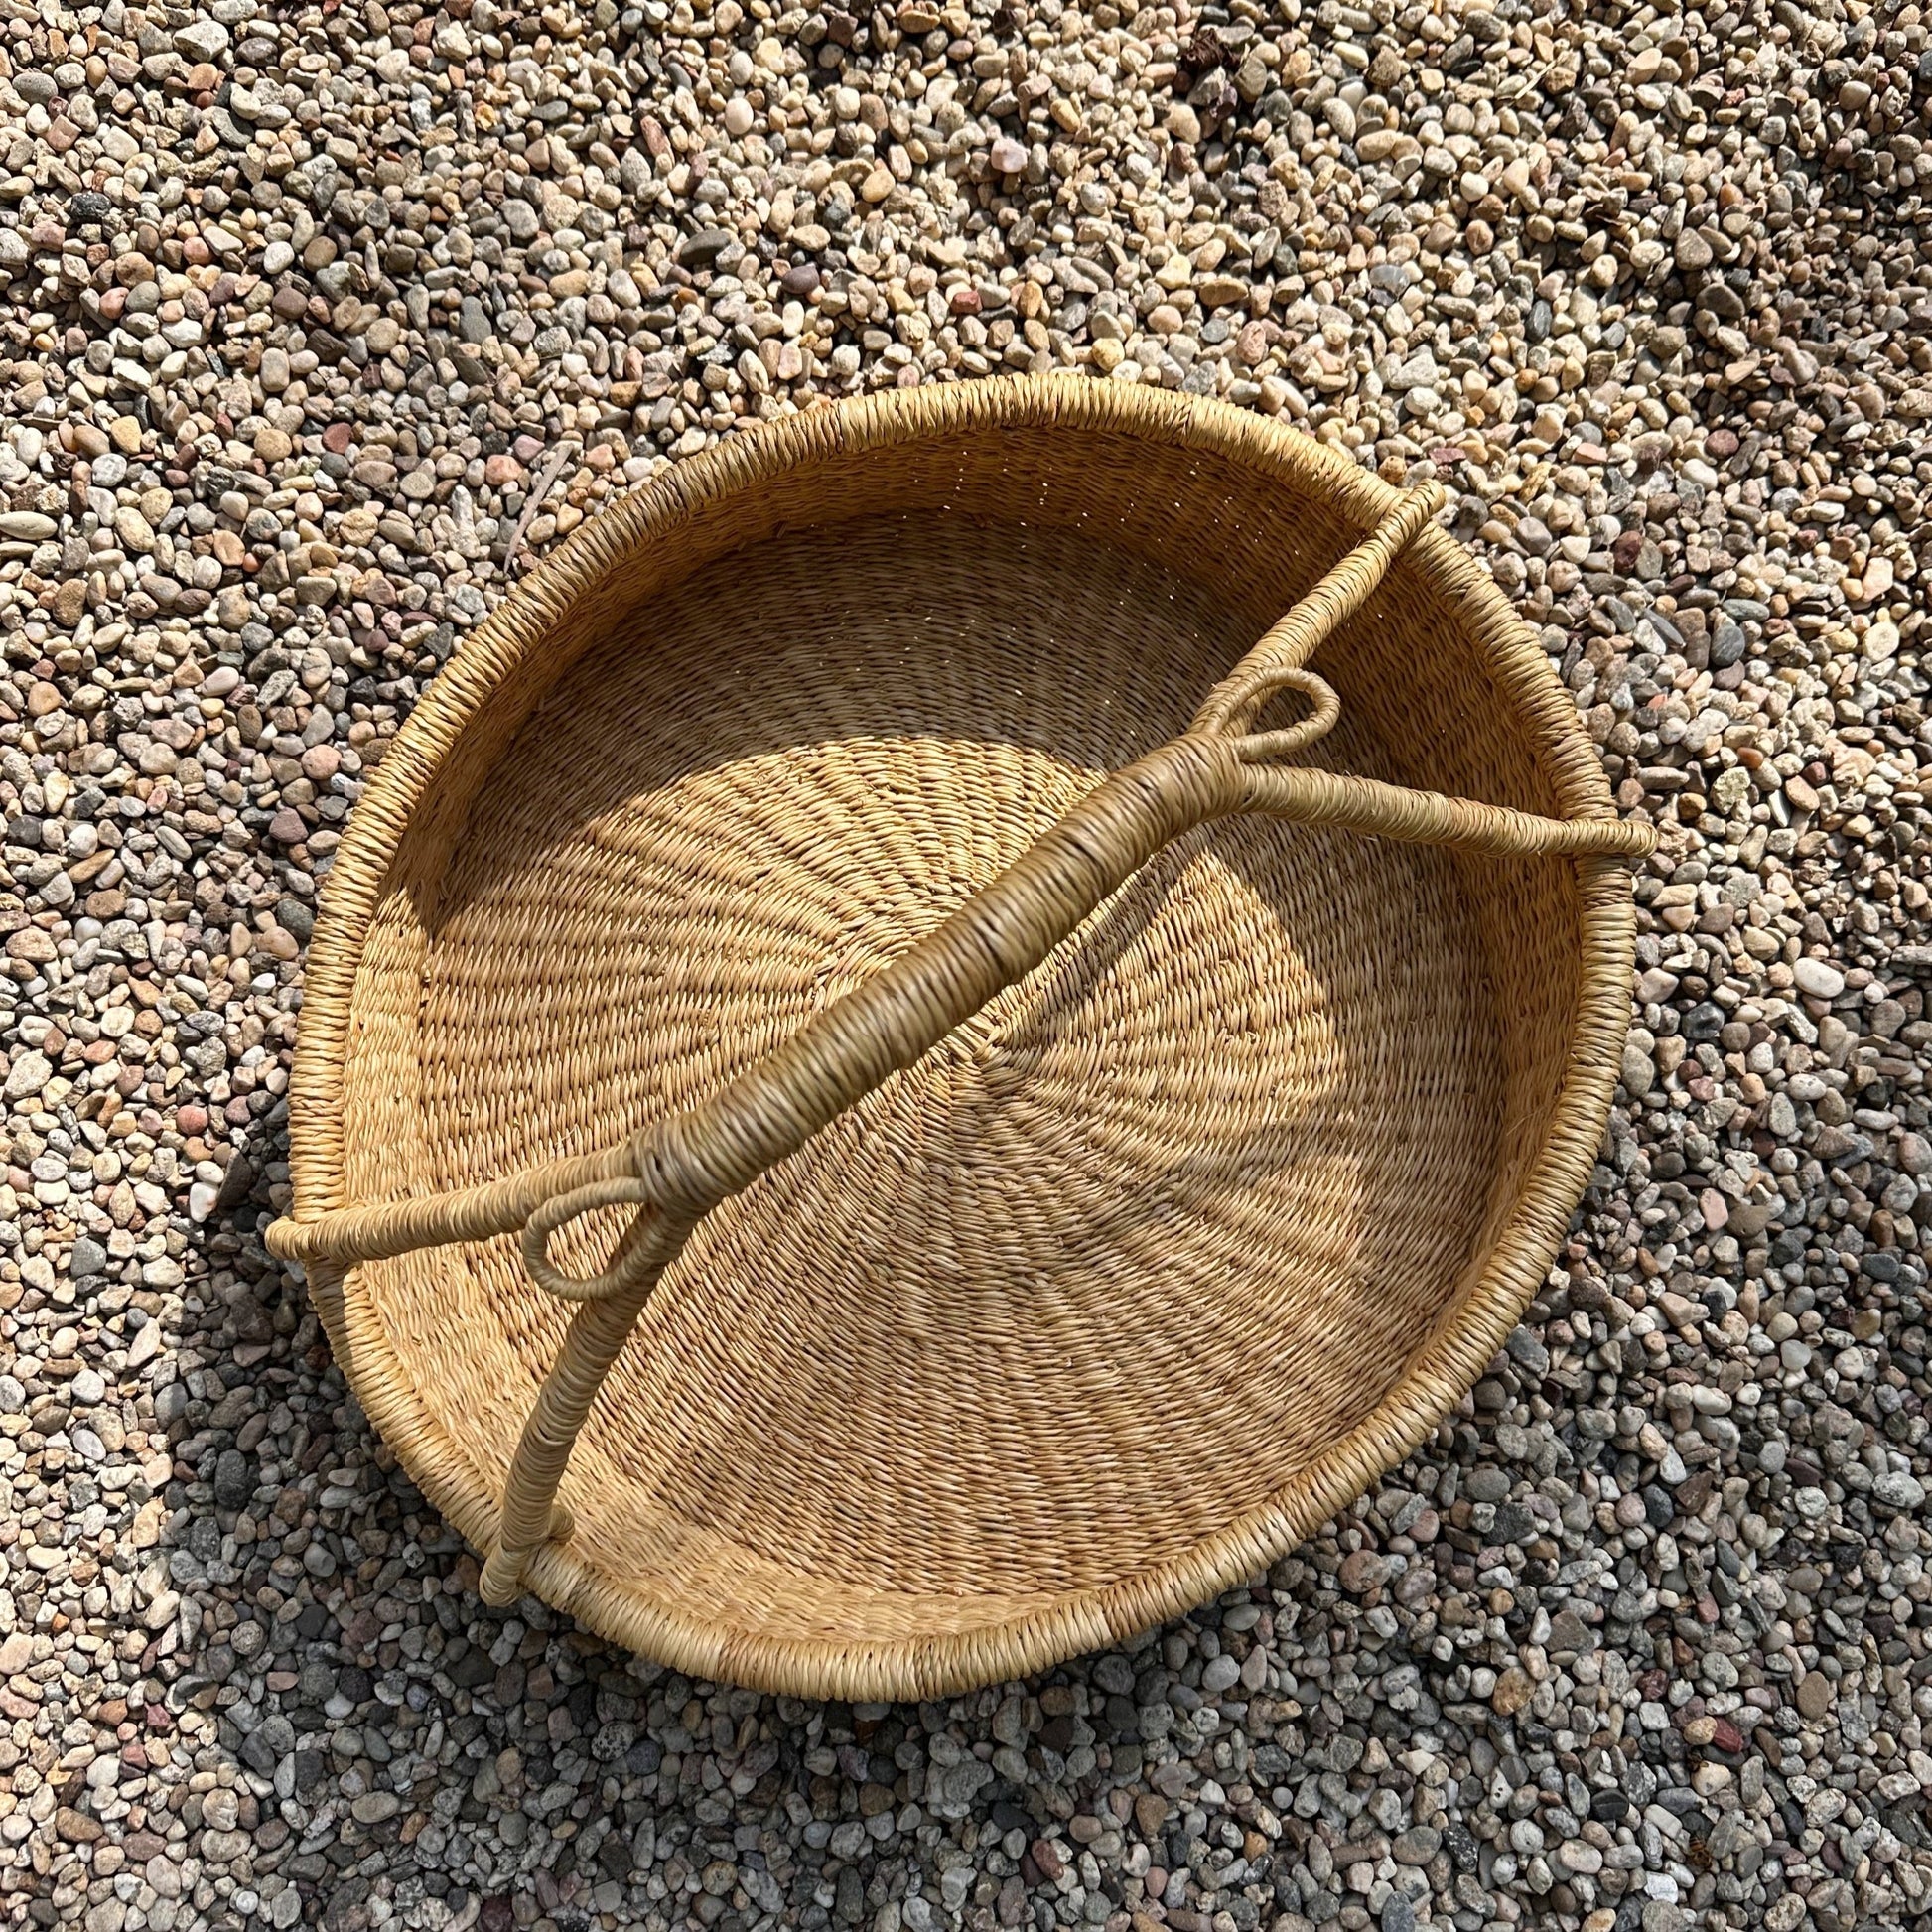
x=858, y=1125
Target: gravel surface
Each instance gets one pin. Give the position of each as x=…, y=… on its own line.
x=317, y=321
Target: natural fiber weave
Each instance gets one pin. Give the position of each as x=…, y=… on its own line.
x=954, y=1290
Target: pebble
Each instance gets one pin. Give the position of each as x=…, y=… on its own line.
x=1814, y=1696
x=1819, y=980
x=322, y=323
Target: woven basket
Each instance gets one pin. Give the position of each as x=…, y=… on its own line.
x=863, y=1123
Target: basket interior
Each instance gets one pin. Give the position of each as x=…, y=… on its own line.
x=1122, y=1256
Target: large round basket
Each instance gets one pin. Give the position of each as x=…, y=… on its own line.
x=953, y=1025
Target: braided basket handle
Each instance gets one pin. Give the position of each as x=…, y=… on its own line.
x=676, y=1170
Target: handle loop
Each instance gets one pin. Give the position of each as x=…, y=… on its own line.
x=1257, y=747
x=560, y=1210
x=675, y=1171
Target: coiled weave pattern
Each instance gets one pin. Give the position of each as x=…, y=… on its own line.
x=1136, y=1272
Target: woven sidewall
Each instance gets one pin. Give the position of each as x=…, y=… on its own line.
x=467, y=1012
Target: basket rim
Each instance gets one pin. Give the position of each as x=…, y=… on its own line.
x=937, y=1664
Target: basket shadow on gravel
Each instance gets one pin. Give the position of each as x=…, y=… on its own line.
x=353, y=1535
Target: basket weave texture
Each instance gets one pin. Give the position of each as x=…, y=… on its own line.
x=1160, y=1158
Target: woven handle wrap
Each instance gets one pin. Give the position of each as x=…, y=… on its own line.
x=676, y=1170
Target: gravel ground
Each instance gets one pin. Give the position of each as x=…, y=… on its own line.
x=317, y=321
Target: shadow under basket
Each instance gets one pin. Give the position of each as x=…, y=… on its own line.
x=900, y=1078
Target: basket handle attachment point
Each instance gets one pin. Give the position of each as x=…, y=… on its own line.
x=675, y=1171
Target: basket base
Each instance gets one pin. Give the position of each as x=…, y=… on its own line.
x=1126, y=1254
